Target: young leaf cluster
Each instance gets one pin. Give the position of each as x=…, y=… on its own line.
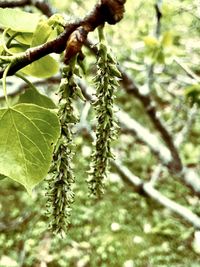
x=31, y=30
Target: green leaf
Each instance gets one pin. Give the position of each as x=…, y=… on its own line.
x=192, y=89
x=167, y=39
x=192, y=93
x=41, y=33
x=27, y=137
x=151, y=41
x=2, y=177
x=42, y=68
x=18, y=20
x=32, y=96
x=53, y=35
x=22, y=37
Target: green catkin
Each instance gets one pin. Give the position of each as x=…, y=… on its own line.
x=61, y=178
x=106, y=82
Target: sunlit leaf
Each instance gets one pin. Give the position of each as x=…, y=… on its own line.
x=18, y=20
x=31, y=95
x=150, y=41
x=27, y=137
x=167, y=39
x=41, y=33
x=22, y=37
x=42, y=68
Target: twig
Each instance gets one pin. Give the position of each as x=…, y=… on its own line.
x=150, y=74
x=150, y=191
x=156, y=174
x=158, y=7
x=19, y=86
x=19, y=222
x=18, y=3
x=146, y=137
x=182, y=135
x=110, y=11
x=187, y=176
x=131, y=88
x=150, y=109
x=42, y=5
x=187, y=70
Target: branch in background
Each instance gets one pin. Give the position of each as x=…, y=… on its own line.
x=110, y=11
x=17, y=223
x=42, y=5
x=150, y=191
x=183, y=134
x=158, y=7
x=19, y=86
x=147, y=138
x=187, y=70
x=150, y=72
x=156, y=174
x=17, y=3
x=149, y=106
x=187, y=176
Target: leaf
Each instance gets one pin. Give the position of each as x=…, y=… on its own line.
x=167, y=39
x=31, y=95
x=2, y=177
x=53, y=35
x=17, y=49
x=41, y=33
x=151, y=41
x=22, y=37
x=42, y=68
x=27, y=137
x=192, y=92
x=192, y=89
x=18, y=20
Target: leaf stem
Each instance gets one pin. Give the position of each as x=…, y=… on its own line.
x=101, y=33
x=26, y=80
x=4, y=82
x=4, y=42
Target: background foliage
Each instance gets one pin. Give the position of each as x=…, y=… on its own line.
x=123, y=228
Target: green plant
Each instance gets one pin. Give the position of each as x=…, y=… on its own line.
x=38, y=134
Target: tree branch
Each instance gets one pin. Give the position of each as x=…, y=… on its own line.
x=150, y=109
x=42, y=5
x=150, y=191
x=131, y=88
x=187, y=176
x=110, y=11
x=18, y=3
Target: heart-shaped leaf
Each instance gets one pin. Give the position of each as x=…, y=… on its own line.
x=27, y=137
